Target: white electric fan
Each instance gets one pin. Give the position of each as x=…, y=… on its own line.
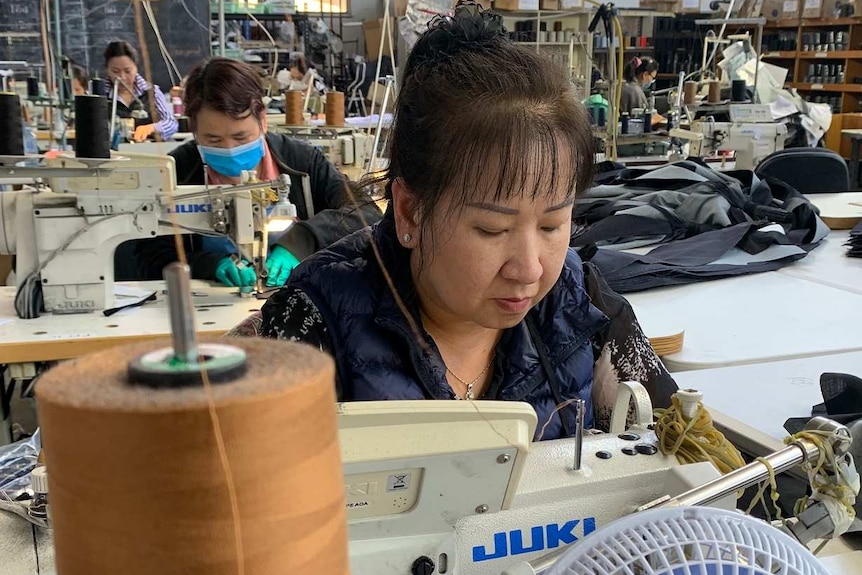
x=688, y=541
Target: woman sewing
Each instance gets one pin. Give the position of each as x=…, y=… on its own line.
x=135, y=97
x=467, y=288
x=639, y=75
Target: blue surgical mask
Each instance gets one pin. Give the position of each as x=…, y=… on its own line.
x=648, y=85
x=233, y=161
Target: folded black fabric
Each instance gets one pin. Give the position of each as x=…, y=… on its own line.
x=706, y=223
x=854, y=244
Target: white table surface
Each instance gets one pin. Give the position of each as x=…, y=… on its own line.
x=754, y=319
x=51, y=337
x=829, y=265
x=765, y=395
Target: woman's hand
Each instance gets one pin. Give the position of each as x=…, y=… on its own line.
x=143, y=132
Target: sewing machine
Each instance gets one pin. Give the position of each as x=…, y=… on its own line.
x=67, y=228
x=461, y=489
x=751, y=133
x=341, y=146
x=458, y=488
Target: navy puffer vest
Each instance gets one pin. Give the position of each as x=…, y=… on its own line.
x=378, y=356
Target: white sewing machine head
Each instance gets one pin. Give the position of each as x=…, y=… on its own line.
x=68, y=232
x=751, y=133
x=458, y=487
x=343, y=146
x=751, y=141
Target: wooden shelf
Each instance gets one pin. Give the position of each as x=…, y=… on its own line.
x=856, y=88
x=628, y=49
x=797, y=61
x=830, y=22
x=245, y=16
x=834, y=55
x=540, y=13
x=787, y=55
x=777, y=24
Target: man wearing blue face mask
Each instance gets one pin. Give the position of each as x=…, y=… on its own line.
x=224, y=103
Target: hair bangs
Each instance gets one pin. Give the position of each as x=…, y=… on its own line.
x=528, y=150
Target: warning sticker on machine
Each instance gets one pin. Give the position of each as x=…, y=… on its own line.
x=398, y=482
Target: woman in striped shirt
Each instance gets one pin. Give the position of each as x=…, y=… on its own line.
x=135, y=94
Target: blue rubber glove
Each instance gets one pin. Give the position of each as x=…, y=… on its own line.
x=231, y=275
x=279, y=264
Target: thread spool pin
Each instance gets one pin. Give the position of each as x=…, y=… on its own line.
x=580, y=408
x=689, y=400
x=178, y=279
x=186, y=362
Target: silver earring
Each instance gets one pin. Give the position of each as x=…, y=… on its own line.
x=406, y=238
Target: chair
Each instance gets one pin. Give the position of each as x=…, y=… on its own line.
x=356, y=101
x=809, y=170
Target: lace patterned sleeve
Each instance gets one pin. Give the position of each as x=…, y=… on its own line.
x=291, y=315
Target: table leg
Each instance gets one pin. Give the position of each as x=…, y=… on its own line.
x=7, y=388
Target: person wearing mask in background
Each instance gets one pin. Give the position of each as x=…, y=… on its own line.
x=135, y=94
x=467, y=289
x=224, y=104
x=80, y=80
x=639, y=75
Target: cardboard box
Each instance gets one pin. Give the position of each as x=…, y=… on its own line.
x=771, y=10
x=373, y=30
x=662, y=5
x=549, y=4
x=690, y=7
x=790, y=9
x=812, y=8
x=517, y=5
x=819, y=8
x=751, y=9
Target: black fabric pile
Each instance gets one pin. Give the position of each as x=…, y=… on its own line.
x=854, y=244
x=713, y=225
x=842, y=402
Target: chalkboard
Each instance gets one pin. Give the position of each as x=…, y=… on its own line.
x=19, y=31
x=87, y=26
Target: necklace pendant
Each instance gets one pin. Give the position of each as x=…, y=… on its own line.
x=469, y=395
